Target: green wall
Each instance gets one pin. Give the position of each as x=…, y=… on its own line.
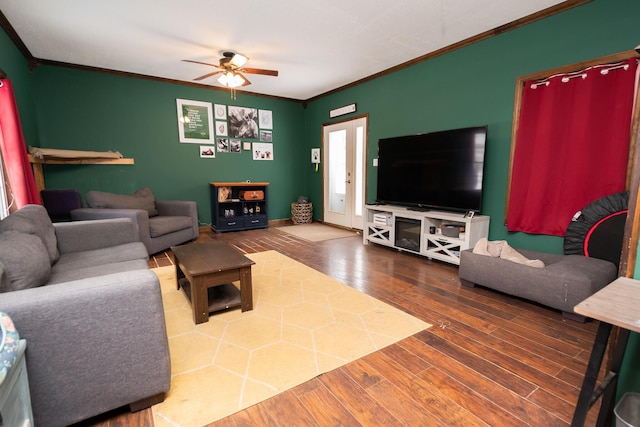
x=84, y=110
x=475, y=86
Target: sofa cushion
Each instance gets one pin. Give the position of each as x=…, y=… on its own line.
x=34, y=219
x=102, y=256
x=161, y=225
x=93, y=271
x=24, y=260
x=141, y=199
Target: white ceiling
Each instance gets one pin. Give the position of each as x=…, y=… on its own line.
x=317, y=46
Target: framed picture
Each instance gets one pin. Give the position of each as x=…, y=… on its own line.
x=223, y=145
x=220, y=111
x=243, y=122
x=207, y=151
x=221, y=129
x=266, y=136
x=224, y=193
x=234, y=145
x=266, y=119
x=262, y=151
x=195, y=121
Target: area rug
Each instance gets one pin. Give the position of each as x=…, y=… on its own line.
x=317, y=232
x=303, y=324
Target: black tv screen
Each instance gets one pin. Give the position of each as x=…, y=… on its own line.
x=438, y=170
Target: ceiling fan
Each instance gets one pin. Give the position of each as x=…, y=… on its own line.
x=231, y=68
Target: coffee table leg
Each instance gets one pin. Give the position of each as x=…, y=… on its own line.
x=179, y=275
x=199, y=301
x=246, y=289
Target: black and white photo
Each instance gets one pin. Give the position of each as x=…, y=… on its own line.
x=243, y=122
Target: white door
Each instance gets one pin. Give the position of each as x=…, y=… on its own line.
x=344, y=161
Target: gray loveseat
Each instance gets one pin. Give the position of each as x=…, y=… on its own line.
x=160, y=223
x=83, y=297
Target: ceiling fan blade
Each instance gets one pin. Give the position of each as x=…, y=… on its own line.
x=260, y=71
x=202, y=63
x=246, y=80
x=207, y=75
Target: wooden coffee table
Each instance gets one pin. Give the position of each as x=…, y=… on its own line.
x=205, y=272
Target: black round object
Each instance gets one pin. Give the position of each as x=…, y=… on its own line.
x=598, y=229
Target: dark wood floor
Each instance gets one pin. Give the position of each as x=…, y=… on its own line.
x=489, y=359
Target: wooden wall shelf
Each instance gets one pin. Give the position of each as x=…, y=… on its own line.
x=37, y=163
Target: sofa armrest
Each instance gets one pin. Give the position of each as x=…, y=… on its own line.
x=88, y=235
x=180, y=208
x=92, y=345
x=176, y=208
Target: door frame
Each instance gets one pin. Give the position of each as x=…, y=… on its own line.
x=365, y=171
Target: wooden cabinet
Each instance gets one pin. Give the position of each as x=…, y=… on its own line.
x=238, y=205
x=434, y=234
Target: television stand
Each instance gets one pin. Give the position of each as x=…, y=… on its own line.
x=421, y=232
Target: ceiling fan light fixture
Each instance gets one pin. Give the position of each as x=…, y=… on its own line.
x=223, y=79
x=231, y=79
x=237, y=80
x=238, y=60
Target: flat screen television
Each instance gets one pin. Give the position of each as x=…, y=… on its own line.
x=438, y=170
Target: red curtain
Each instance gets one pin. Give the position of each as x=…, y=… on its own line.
x=572, y=146
x=14, y=150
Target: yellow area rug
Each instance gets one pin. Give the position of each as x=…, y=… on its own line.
x=303, y=324
x=317, y=232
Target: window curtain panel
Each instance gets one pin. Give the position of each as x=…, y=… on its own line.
x=572, y=146
x=14, y=150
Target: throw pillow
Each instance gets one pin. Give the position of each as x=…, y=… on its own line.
x=487, y=248
x=141, y=199
x=495, y=248
x=511, y=254
x=501, y=249
x=480, y=247
x=34, y=219
x=24, y=262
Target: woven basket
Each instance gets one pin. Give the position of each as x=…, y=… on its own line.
x=301, y=213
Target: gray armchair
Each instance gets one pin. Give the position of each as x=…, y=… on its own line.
x=160, y=223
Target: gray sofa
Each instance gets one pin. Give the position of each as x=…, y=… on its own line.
x=83, y=297
x=160, y=223
x=563, y=282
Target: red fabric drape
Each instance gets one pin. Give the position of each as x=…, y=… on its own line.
x=572, y=147
x=14, y=150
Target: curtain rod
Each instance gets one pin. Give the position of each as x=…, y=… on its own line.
x=605, y=68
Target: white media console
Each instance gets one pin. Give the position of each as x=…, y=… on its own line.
x=421, y=232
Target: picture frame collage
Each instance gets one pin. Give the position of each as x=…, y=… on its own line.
x=220, y=128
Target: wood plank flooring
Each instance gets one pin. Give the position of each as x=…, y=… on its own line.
x=489, y=359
